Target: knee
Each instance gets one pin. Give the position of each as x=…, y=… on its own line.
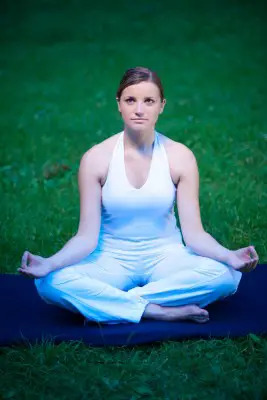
x=51, y=290
x=56, y=278
x=48, y=286
x=227, y=284
x=44, y=287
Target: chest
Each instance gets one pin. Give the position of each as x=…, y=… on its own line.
x=137, y=167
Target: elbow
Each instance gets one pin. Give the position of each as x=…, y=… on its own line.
x=193, y=238
x=90, y=243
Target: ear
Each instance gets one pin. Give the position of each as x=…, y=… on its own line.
x=162, y=105
x=118, y=103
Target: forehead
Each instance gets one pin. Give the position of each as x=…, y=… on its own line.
x=142, y=89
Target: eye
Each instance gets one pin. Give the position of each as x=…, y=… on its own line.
x=150, y=101
x=130, y=100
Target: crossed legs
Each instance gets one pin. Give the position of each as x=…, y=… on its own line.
x=182, y=292
x=177, y=286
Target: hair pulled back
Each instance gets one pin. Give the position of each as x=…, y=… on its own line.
x=136, y=75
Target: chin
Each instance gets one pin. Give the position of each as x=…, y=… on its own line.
x=138, y=126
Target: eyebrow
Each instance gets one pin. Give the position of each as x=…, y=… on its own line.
x=133, y=97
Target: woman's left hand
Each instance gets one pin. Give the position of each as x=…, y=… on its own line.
x=244, y=259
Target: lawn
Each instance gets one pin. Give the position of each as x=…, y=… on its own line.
x=61, y=63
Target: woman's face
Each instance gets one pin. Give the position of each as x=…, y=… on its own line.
x=140, y=105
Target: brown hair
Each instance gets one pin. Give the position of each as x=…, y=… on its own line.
x=136, y=75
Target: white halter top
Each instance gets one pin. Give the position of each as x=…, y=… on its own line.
x=138, y=219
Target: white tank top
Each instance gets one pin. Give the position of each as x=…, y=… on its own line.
x=138, y=219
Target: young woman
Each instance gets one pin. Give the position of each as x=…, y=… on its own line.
x=127, y=260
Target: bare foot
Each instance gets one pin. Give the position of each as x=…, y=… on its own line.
x=189, y=312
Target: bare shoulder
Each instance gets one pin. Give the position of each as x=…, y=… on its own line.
x=178, y=148
x=97, y=158
x=108, y=144
x=180, y=158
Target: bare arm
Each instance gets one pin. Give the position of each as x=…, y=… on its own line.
x=86, y=238
x=72, y=252
x=193, y=232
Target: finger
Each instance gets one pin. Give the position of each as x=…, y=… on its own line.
x=26, y=271
x=27, y=259
x=23, y=271
x=246, y=254
x=30, y=256
x=251, y=265
x=253, y=252
x=255, y=262
x=24, y=259
x=247, y=266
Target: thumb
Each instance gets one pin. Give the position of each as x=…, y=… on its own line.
x=31, y=257
x=248, y=250
x=24, y=259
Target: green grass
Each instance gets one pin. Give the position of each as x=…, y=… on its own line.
x=60, y=66
x=192, y=369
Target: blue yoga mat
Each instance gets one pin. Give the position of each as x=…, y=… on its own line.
x=26, y=318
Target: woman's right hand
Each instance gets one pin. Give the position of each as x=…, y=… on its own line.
x=34, y=266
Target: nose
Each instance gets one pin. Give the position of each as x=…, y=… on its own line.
x=139, y=108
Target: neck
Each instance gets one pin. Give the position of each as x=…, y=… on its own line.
x=140, y=141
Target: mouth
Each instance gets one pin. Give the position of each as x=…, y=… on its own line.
x=138, y=119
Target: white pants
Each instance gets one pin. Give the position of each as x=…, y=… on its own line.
x=116, y=287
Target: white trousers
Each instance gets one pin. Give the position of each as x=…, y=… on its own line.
x=115, y=287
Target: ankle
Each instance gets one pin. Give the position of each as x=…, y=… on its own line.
x=154, y=311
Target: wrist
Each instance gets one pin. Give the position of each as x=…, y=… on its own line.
x=227, y=256
x=51, y=264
